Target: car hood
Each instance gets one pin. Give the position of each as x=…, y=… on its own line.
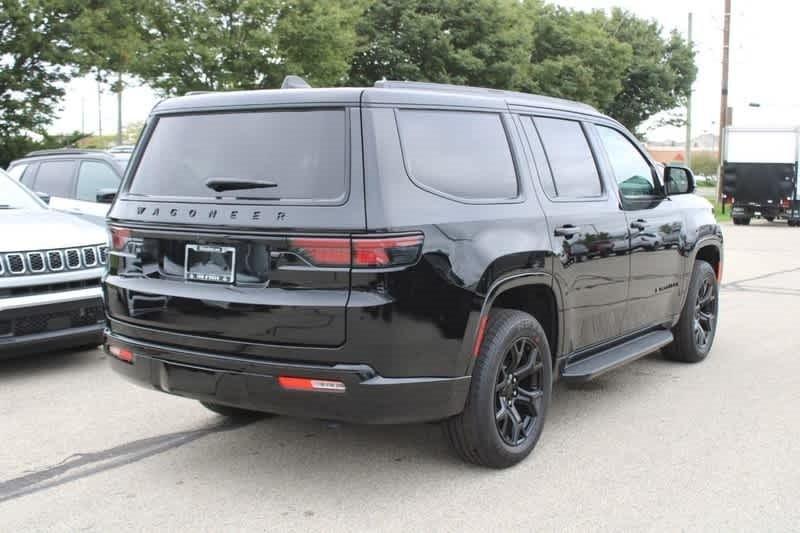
x=42, y=229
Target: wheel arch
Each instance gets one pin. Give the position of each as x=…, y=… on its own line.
x=707, y=249
x=536, y=293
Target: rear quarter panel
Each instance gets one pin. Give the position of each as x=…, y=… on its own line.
x=432, y=309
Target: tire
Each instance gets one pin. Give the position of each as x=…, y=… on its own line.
x=234, y=412
x=737, y=221
x=770, y=219
x=746, y=221
x=700, y=310
x=514, y=363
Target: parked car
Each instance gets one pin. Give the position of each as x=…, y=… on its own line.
x=50, y=268
x=400, y=253
x=78, y=181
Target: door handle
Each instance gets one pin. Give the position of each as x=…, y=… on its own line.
x=639, y=224
x=567, y=230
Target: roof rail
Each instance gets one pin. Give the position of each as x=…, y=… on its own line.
x=193, y=93
x=294, y=82
x=429, y=86
x=63, y=151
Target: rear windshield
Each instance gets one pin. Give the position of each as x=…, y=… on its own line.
x=300, y=154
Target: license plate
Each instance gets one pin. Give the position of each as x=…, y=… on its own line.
x=214, y=264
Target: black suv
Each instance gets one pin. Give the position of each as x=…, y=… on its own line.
x=401, y=253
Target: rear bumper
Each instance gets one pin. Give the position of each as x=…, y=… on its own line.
x=369, y=398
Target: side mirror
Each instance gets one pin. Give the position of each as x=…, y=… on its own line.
x=43, y=196
x=678, y=180
x=106, y=196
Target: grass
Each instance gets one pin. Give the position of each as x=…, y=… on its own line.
x=720, y=216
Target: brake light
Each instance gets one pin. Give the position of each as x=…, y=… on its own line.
x=118, y=238
x=320, y=385
x=123, y=354
x=323, y=251
x=359, y=252
x=382, y=252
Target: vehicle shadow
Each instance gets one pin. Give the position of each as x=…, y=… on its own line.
x=323, y=456
x=294, y=447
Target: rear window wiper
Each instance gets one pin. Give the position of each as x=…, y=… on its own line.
x=237, y=184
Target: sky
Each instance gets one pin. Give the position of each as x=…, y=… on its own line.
x=763, y=68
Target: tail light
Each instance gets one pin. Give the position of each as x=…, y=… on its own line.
x=359, y=252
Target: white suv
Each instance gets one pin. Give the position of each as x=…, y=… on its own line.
x=74, y=180
x=50, y=269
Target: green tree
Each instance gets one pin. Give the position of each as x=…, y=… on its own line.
x=317, y=40
x=34, y=57
x=660, y=75
x=211, y=45
x=481, y=42
x=575, y=57
x=244, y=44
x=106, y=37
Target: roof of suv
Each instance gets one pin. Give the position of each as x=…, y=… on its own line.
x=66, y=153
x=384, y=92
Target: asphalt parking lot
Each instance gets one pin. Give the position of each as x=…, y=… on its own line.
x=656, y=445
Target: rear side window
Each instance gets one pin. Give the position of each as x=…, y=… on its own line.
x=94, y=176
x=460, y=154
x=55, y=178
x=302, y=152
x=571, y=161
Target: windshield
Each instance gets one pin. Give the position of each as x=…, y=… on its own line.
x=15, y=196
x=301, y=153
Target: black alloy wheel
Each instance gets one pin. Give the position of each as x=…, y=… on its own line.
x=705, y=314
x=518, y=392
x=697, y=326
x=509, y=394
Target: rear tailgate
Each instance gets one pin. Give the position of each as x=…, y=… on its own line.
x=230, y=264
x=759, y=183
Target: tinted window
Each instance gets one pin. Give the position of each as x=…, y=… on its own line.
x=631, y=170
x=459, y=154
x=302, y=152
x=571, y=162
x=17, y=171
x=55, y=178
x=93, y=176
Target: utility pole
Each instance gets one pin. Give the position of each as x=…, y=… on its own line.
x=723, y=105
x=119, y=108
x=99, y=110
x=689, y=109
x=83, y=115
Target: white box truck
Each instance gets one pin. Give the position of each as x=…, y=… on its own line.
x=760, y=174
